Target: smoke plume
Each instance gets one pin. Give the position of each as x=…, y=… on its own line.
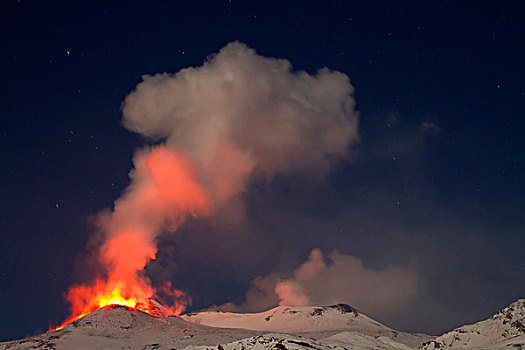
x=343, y=279
x=239, y=117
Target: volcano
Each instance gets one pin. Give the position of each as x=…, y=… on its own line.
x=150, y=306
x=282, y=328
x=505, y=329
x=119, y=326
x=309, y=321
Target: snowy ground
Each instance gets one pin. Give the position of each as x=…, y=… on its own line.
x=308, y=321
x=336, y=327
x=504, y=330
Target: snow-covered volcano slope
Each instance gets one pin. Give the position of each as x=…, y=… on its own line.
x=334, y=327
x=276, y=341
x=505, y=329
x=291, y=319
x=327, y=328
x=118, y=327
x=310, y=321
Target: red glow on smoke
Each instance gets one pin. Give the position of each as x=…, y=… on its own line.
x=161, y=196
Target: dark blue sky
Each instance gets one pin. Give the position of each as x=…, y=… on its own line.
x=436, y=183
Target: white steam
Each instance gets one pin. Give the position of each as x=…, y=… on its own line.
x=238, y=116
x=341, y=279
x=242, y=115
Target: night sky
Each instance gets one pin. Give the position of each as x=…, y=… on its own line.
x=435, y=184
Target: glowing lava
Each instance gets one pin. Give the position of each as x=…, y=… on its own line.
x=163, y=192
x=115, y=298
x=94, y=301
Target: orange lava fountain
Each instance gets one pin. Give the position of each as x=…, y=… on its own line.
x=163, y=192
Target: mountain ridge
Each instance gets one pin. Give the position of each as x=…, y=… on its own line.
x=330, y=327
x=309, y=321
x=504, y=328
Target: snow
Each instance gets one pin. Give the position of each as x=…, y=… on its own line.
x=118, y=327
x=336, y=327
x=312, y=321
x=502, y=329
x=363, y=341
x=288, y=319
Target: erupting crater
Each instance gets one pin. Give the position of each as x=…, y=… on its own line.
x=148, y=305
